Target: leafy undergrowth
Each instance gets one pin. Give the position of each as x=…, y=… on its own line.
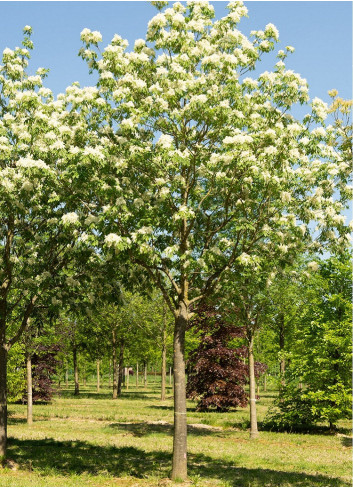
x=93, y=440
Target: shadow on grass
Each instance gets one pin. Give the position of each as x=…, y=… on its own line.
x=145, y=429
x=106, y=395
x=14, y=421
x=347, y=441
x=72, y=458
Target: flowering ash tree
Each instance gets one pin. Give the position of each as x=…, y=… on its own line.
x=201, y=168
x=39, y=227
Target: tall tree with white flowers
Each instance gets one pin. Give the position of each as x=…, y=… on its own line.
x=200, y=168
x=39, y=222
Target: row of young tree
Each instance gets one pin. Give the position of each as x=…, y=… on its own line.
x=302, y=334
x=176, y=172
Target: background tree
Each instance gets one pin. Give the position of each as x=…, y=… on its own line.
x=321, y=353
x=217, y=372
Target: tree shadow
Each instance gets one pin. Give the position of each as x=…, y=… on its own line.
x=15, y=421
x=146, y=429
x=163, y=408
x=77, y=457
x=347, y=441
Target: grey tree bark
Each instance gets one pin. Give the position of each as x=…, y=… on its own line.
x=164, y=361
x=252, y=401
x=121, y=366
x=179, y=470
x=145, y=374
x=98, y=376
x=115, y=366
x=282, y=366
x=3, y=401
x=77, y=384
x=29, y=388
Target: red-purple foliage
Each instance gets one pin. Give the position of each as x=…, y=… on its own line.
x=217, y=372
x=44, y=364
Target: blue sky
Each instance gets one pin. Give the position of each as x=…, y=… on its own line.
x=320, y=31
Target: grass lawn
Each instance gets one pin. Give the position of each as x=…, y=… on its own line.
x=93, y=440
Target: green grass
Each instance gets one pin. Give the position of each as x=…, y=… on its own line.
x=93, y=440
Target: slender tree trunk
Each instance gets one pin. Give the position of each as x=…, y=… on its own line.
x=265, y=383
x=115, y=367
x=145, y=375
x=170, y=376
x=3, y=401
x=127, y=378
x=253, y=417
x=29, y=388
x=164, y=355
x=137, y=374
x=67, y=377
x=110, y=375
x=282, y=365
x=179, y=470
x=121, y=366
x=77, y=385
x=98, y=375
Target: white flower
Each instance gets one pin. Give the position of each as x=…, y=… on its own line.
x=320, y=108
x=29, y=162
x=283, y=248
x=95, y=152
x=339, y=219
x=270, y=150
x=165, y=141
x=286, y=197
x=90, y=219
x=69, y=218
x=96, y=36
x=138, y=203
x=112, y=240
x=272, y=31
x=238, y=139
x=27, y=185
x=127, y=123
x=319, y=131
x=7, y=52
x=313, y=265
x=244, y=259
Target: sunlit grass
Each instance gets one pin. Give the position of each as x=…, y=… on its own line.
x=93, y=440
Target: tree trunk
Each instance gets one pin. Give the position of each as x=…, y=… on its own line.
x=67, y=377
x=115, y=367
x=3, y=402
x=137, y=374
x=110, y=375
x=170, y=376
x=253, y=417
x=265, y=383
x=145, y=374
x=121, y=366
x=127, y=378
x=77, y=385
x=98, y=375
x=29, y=388
x=164, y=355
x=179, y=470
x=282, y=365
